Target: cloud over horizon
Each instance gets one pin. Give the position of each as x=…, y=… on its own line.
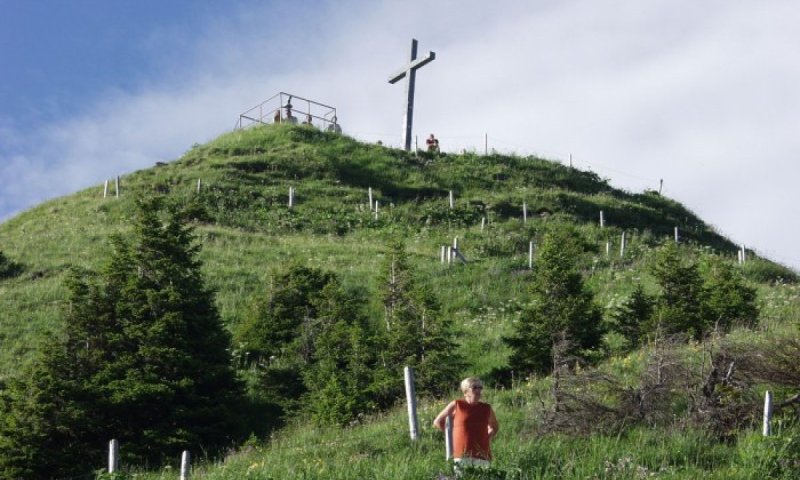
x=700, y=95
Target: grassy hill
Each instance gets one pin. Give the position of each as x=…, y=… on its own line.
x=237, y=188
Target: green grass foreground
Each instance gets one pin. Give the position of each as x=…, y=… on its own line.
x=381, y=449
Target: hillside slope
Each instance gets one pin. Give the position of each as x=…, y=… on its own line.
x=237, y=189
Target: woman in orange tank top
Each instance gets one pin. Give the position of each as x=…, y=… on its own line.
x=474, y=425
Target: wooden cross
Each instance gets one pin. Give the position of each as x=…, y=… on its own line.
x=410, y=73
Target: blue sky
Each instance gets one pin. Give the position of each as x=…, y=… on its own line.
x=704, y=95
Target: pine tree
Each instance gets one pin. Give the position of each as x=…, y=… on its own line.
x=679, y=307
x=417, y=334
x=561, y=308
x=728, y=300
x=143, y=358
x=339, y=380
x=633, y=316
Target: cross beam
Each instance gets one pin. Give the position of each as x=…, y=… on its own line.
x=409, y=72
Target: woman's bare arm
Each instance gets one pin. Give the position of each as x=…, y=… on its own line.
x=438, y=422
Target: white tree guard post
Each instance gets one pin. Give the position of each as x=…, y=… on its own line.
x=185, y=465
x=411, y=399
x=744, y=254
x=767, y=427
x=530, y=255
x=524, y=212
x=483, y=223
x=113, y=456
x=369, y=194
x=199, y=184
x=676, y=235
x=105, y=189
x=448, y=437
x=622, y=245
x=449, y=254
x=608, y=249
x=739, y=256
x=602, y=220
x=116, y=186
x=452, y=200
x=376, y=209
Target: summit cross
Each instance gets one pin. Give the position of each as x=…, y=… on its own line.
x=409, y=72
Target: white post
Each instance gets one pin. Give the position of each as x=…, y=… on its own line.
x=369, y=192
x=530, y=255
x=483, y=223
x=291, y=197
x=455, y=243
x=448, y=437
x=376, y=209
x=486, y=144
x=622, y=245
x=676, y=234
x=524, y=212
x=739, y=256
x=442, y=253
x=570, y=160
x=744, y=254
x=185, y=465
x=602, y=220
x=198, y=185
x=449, y=254
x=105, y=189
x=411, y=399
x=767, y=429
x=116, y=186
x=113, y=456
x=608, y=249
x=452, y=200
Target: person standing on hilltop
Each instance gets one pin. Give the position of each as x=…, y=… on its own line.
x=474, y=426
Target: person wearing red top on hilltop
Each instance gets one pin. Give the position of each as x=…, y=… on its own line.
x=474, y=426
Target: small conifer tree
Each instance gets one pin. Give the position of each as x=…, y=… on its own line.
x=562, y=308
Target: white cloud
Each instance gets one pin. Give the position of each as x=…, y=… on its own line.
x=701, y=94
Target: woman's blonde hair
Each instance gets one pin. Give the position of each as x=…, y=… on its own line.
x=469, y=382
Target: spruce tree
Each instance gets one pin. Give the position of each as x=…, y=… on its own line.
x=561, y=307
x=143, y=358
x=679, y=307
x=417, y=334
x=728, y=299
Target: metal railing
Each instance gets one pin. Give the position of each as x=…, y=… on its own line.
x=280, y=109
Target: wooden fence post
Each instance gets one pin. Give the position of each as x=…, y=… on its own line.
x=767, y=428
x=113, y=456
x=185, y=465
x=411, y=398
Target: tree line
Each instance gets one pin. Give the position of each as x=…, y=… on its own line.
x=143, y=355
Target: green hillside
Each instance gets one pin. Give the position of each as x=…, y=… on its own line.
x=236, y=190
